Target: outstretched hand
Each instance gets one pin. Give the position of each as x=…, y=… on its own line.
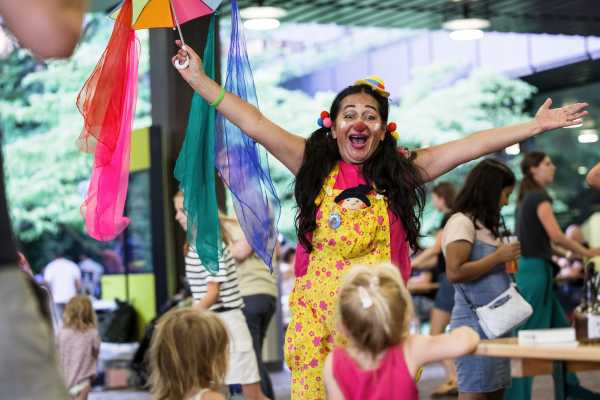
x=195, y=71
x=552, y=118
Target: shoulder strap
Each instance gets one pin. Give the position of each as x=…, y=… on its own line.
x=460, y=289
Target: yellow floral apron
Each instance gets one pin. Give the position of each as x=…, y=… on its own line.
x=342, y=238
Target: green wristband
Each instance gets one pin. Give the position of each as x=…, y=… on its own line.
x=219, y=98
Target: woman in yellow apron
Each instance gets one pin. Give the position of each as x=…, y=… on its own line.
x=355, y=147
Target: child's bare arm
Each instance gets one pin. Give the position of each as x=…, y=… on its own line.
x=421, y=350
x=212, y=294
x=333, y=390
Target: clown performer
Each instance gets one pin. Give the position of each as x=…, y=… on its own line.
x=354, y=146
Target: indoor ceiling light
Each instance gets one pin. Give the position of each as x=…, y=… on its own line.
x=261, y=18
x=261, y=24
x=588, y=136
x=466, y=28
x=466, y=23
x=262, y=12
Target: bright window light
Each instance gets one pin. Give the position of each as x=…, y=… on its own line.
x=261, y=24
x=582, y=170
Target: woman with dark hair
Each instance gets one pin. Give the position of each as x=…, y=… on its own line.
x=355, y=146
x=537, y=229
x=442, y=196
x=475, y=264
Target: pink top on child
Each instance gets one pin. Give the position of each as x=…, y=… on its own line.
x=390, y=380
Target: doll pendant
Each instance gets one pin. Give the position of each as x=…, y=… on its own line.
x=334, y=220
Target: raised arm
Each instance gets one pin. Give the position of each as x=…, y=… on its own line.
x=437, y=160
x=283, y=145
x=49, y=28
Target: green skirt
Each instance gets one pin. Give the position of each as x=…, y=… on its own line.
x=535, y=280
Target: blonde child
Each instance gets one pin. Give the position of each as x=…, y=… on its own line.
x=220, y=293
x=188, y=356
x=78, y=345
x=382, y=358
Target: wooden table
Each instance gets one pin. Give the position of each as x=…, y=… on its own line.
x=546, y=359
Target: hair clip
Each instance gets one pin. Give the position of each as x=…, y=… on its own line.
x=365, y=298
x=391, y=129
x=324, y=121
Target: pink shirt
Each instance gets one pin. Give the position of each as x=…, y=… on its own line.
x=350, y=176
x=390, y=380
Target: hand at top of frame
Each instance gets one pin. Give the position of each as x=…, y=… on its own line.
x=195, y=71
x=552, y=118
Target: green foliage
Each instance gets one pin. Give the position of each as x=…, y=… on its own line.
x=46, y=174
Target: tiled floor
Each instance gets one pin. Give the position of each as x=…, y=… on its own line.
x=432, y=377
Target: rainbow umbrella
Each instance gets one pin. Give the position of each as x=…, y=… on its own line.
x=169, y=13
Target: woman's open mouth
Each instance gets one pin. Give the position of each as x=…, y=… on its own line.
x=358, y=141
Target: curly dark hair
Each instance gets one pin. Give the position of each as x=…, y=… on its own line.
x=479, y=198
x=392, y=174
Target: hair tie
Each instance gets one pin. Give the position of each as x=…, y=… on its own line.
x=324, y=121
x=365, y=298
x=374, y=282
x=391, y=129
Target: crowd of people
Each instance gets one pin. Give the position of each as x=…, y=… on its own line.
x=360, y=201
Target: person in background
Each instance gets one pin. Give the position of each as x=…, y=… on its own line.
x=259, y=292
x=49, y=28
x=569, y=279
x=286, y=274
x=78, y=346
x=220, y=293
x=475, y=264
x=188, y=356
x=442, y=196
x=381, y=358
x=42, y=295
x=91, y=275
x=63, y=278
x=538, y=231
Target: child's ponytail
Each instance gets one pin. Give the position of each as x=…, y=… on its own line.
x=375, y=307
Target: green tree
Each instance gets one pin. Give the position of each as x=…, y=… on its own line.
x=46, y=173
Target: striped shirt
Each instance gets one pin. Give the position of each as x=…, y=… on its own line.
x=198, y=278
